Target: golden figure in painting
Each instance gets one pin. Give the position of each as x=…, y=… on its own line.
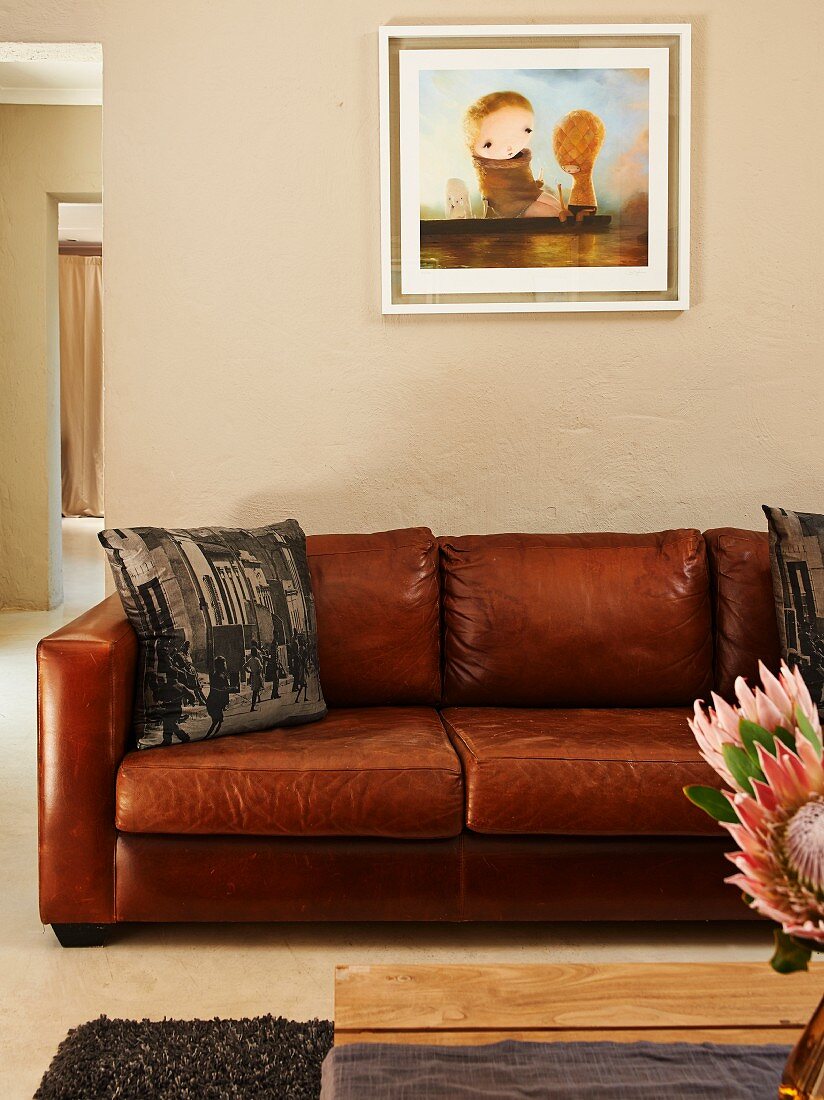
x=577, y=141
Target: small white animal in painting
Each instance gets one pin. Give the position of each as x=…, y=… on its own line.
x=458, y=205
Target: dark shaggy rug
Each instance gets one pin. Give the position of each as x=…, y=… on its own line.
x=266, y=1057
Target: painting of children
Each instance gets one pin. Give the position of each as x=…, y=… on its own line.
x=536, y=145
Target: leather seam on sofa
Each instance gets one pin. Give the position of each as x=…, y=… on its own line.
x=490, y=759
x=726, y=538
x=371, y=550
x=447, y=729
x=396, y=838
x=727, y=542
x=697, y=539
x=308, y=770
x=450, y=730
x=55, y=644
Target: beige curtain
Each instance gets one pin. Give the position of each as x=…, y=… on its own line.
x=81, y=384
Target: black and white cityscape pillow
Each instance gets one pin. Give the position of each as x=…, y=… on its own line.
x=797, y=562
x=226, y=628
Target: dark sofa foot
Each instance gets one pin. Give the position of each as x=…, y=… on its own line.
x=81, y=935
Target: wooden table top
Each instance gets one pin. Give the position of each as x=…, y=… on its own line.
x=665, y=1002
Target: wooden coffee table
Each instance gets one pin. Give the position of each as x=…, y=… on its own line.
x=689, y=1002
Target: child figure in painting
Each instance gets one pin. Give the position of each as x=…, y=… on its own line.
x=498, y=130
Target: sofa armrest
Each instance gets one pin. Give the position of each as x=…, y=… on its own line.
x=85, y=685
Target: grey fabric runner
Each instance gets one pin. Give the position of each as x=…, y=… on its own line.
x=575, y=1071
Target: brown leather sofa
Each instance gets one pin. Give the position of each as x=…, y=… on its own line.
x=506, y=740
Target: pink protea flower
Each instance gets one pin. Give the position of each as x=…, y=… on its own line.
x=781, y=837
x=768, y=751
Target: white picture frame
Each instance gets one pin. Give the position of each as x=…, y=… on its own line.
x=447, y=276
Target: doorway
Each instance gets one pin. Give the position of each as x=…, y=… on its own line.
x=80, y=305
x=51, y=435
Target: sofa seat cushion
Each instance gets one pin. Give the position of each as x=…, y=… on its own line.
x=578, y=772
x=380, y=772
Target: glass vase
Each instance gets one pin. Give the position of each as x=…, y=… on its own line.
x=803, y=1077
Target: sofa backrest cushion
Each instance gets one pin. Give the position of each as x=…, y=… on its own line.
x=378, y=609
x=598, y=620
x=743, y=604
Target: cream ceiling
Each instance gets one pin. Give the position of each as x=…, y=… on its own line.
x=55, y=73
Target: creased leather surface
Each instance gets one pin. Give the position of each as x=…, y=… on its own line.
x=598, y=878
x=85, y=677
x=744, y=606
x=213, y=878
x=378, y=609
x=377, y=771
x=571, y=772
x=602, y=620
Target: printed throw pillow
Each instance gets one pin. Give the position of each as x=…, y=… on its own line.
x=797, y=560
x=225, y=622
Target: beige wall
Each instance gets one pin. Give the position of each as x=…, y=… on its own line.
x=45, y=153
x=250, y=374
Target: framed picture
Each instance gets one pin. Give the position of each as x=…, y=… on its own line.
x=534, y=169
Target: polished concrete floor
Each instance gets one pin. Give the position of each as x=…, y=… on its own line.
x=211, y=970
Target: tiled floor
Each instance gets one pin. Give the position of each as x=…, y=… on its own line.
x=207, y=970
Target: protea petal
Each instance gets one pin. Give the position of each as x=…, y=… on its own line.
x=808, y=930
x=746, y=700
x=794, y=767
x=710, y=738
x=769, y=716
x=765, y=795
x=716, y=762
x=749, y=843
x=727, y=719
x=803, y=697
x=741, y=880
x=749, y=866
x=812, y=763
x=775, y=692
x=703, y=728
x=751, y=814
x=783, y=780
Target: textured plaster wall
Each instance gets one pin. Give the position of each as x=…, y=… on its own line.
x=251, y=376
x=45, y=152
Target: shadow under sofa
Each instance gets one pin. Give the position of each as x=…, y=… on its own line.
x=506, y=741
